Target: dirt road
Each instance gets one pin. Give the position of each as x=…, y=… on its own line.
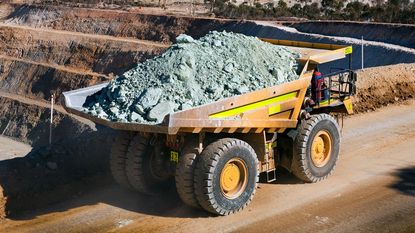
x=372, y=190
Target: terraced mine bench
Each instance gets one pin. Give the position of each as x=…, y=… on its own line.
x=217, y=151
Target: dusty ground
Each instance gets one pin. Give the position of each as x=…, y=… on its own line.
x=372, y=190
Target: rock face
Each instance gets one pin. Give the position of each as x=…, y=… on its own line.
x=191, y=73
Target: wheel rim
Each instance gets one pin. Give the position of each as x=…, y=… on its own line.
x=321, y=148
x=233, y=178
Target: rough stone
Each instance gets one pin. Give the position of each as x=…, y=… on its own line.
x=184, y=39
x=160, y=111
x=134, y=117
x=192, y=73
x=150, y=97
x=139, y=109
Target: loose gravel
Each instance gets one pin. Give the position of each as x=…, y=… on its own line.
x=192, y=73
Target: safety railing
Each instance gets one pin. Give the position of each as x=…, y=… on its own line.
x=338, y=86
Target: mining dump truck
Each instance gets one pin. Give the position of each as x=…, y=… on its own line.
x=216, y=152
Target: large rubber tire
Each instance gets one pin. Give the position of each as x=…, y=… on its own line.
x=139, y=168
x=118, y=157
x=209, y=167
x=303, y=166
x=185, y=173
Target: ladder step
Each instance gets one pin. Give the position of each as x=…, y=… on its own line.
x=271, y=175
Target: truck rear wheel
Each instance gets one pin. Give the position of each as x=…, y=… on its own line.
x=226, y=176
x=118, y=157
x=185, y=173
x=144, y=171
x=316, y=148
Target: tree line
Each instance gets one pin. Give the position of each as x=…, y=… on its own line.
x=392, y=11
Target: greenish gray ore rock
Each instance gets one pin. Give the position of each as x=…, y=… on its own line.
x=191, y=73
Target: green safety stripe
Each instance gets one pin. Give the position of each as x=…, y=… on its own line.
x=274, y=109
x=259, y=104
x=327, y=102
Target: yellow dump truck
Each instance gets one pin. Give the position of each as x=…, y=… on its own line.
x=216, y=152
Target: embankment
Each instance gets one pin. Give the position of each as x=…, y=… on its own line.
x=399, y=34
x=376, y=53
x=382, y=86
x=166, y=28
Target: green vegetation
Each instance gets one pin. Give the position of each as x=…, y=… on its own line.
x=389, y=11
x=392, y=11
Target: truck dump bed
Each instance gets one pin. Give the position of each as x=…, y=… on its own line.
x=272, y=109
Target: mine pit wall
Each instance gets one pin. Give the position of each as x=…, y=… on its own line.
x=166, y=28
x=160, y=28
x=30, y=123
x=376, y=55
x=74, y=51
x=399, y=34
x=39, y=82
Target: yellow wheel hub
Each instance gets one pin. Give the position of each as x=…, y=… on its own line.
x=321, y=149
x=233, y=178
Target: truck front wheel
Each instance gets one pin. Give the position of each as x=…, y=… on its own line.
x=316, y=148
x=226, y=176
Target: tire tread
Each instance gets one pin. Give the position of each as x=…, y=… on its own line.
x=118, y=159
x=299, y=166
x=134, y=165
x=185, y=174
x=204, y=191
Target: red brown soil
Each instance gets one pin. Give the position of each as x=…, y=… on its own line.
x=381, y=86
x=77, y=51
x=3, y=201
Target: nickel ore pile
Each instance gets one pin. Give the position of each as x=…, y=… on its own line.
x=191, y=73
